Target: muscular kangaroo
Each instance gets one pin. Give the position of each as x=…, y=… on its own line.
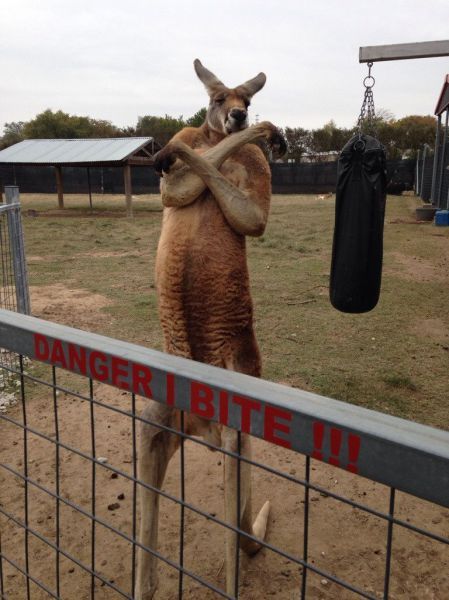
x=216, y=189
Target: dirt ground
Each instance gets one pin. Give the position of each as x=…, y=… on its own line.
x=344, y=541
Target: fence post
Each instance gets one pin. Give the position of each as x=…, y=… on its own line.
x=417, y=177
x=436, y=158
x=18, y=249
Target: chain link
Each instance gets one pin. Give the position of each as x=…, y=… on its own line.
x=367, y=112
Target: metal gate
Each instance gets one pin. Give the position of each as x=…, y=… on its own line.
x=58, y=463
x=14, y=294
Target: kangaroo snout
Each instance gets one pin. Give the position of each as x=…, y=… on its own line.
x=238, y=114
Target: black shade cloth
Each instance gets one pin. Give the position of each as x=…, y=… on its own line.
x=356, y=269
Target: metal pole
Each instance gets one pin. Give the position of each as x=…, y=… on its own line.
x=443, y=156
x=404, y=51
x=418, y=158
x=424, y=156
x=18, y=249
x=436, y=157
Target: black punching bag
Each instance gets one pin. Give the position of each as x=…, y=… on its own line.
x=356, y=269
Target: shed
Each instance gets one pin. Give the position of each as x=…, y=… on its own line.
x=443, y=100
x=104, y=152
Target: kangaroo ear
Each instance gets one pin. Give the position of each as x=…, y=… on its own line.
x=252, y=86
x=211, y=82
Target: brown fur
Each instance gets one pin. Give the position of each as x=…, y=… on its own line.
x=215, y=189
x=201, y=271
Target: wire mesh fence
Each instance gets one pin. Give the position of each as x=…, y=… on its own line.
x=14, y=294
x=377, y=527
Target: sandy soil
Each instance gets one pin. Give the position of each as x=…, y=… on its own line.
x=344, y=541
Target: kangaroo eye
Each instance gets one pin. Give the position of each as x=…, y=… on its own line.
x=247, y=103
x=219, y=100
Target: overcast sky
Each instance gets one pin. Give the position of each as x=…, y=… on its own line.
x=117, y=60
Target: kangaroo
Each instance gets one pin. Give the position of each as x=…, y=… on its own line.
x=216, y=189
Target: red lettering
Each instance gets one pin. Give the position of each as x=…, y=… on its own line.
x=41, y=347
x=170, y=389
x=336, y=439
x=119, y=369
x=318, y=436
x=202, y=400
x=142, y=377
x=97, y=365
x=271, y=425
x=224, y=408
x=57, y=354
x=77, y=359
x=246, y=406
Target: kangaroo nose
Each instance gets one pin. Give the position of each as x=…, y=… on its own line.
x=238, y=114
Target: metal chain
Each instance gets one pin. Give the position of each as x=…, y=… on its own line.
x=367, y=112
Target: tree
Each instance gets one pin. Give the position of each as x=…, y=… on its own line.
x=162, y=129
x=413, y=132
x=298, y=142
x=329, y=138
x=198, y=118
x=49, y=125
x=12, y=133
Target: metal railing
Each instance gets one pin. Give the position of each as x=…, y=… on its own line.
x=53, y=522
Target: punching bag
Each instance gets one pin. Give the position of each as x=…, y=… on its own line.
x=357, y=250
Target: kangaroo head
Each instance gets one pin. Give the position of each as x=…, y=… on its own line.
x=228, y=107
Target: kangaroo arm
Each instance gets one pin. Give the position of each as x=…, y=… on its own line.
x=241, y=212
x=182, y=185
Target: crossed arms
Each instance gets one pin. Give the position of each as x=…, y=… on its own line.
x=184, y=181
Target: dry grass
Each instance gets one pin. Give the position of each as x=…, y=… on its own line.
x=393, y=359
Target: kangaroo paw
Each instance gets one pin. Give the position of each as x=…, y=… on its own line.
x=259, y=529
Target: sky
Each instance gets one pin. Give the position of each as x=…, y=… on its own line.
x=117, y=60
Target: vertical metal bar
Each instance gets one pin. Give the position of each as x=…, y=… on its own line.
x=417, y=184
x=436, y=156
x=2, y=589
x=389, y=545
x=93, y=506
x=57, y=478
x=443, y=156
x=424, y=156
x=182, y=511
x=305, y=551
x=25, y=473
x=18, y=249
x=239, y=492
x=134, y=517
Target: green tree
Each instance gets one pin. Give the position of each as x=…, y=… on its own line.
x=198, y=118
x=49, y=125
x=298, y=142
x=411, y=133
x=12, y=133
x=162, y=129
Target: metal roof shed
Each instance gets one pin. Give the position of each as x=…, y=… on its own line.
x=104, y=152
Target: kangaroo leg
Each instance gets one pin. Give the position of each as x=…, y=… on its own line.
x=258, y=529
x=156, y=448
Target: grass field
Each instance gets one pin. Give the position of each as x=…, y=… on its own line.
x=95, y=271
